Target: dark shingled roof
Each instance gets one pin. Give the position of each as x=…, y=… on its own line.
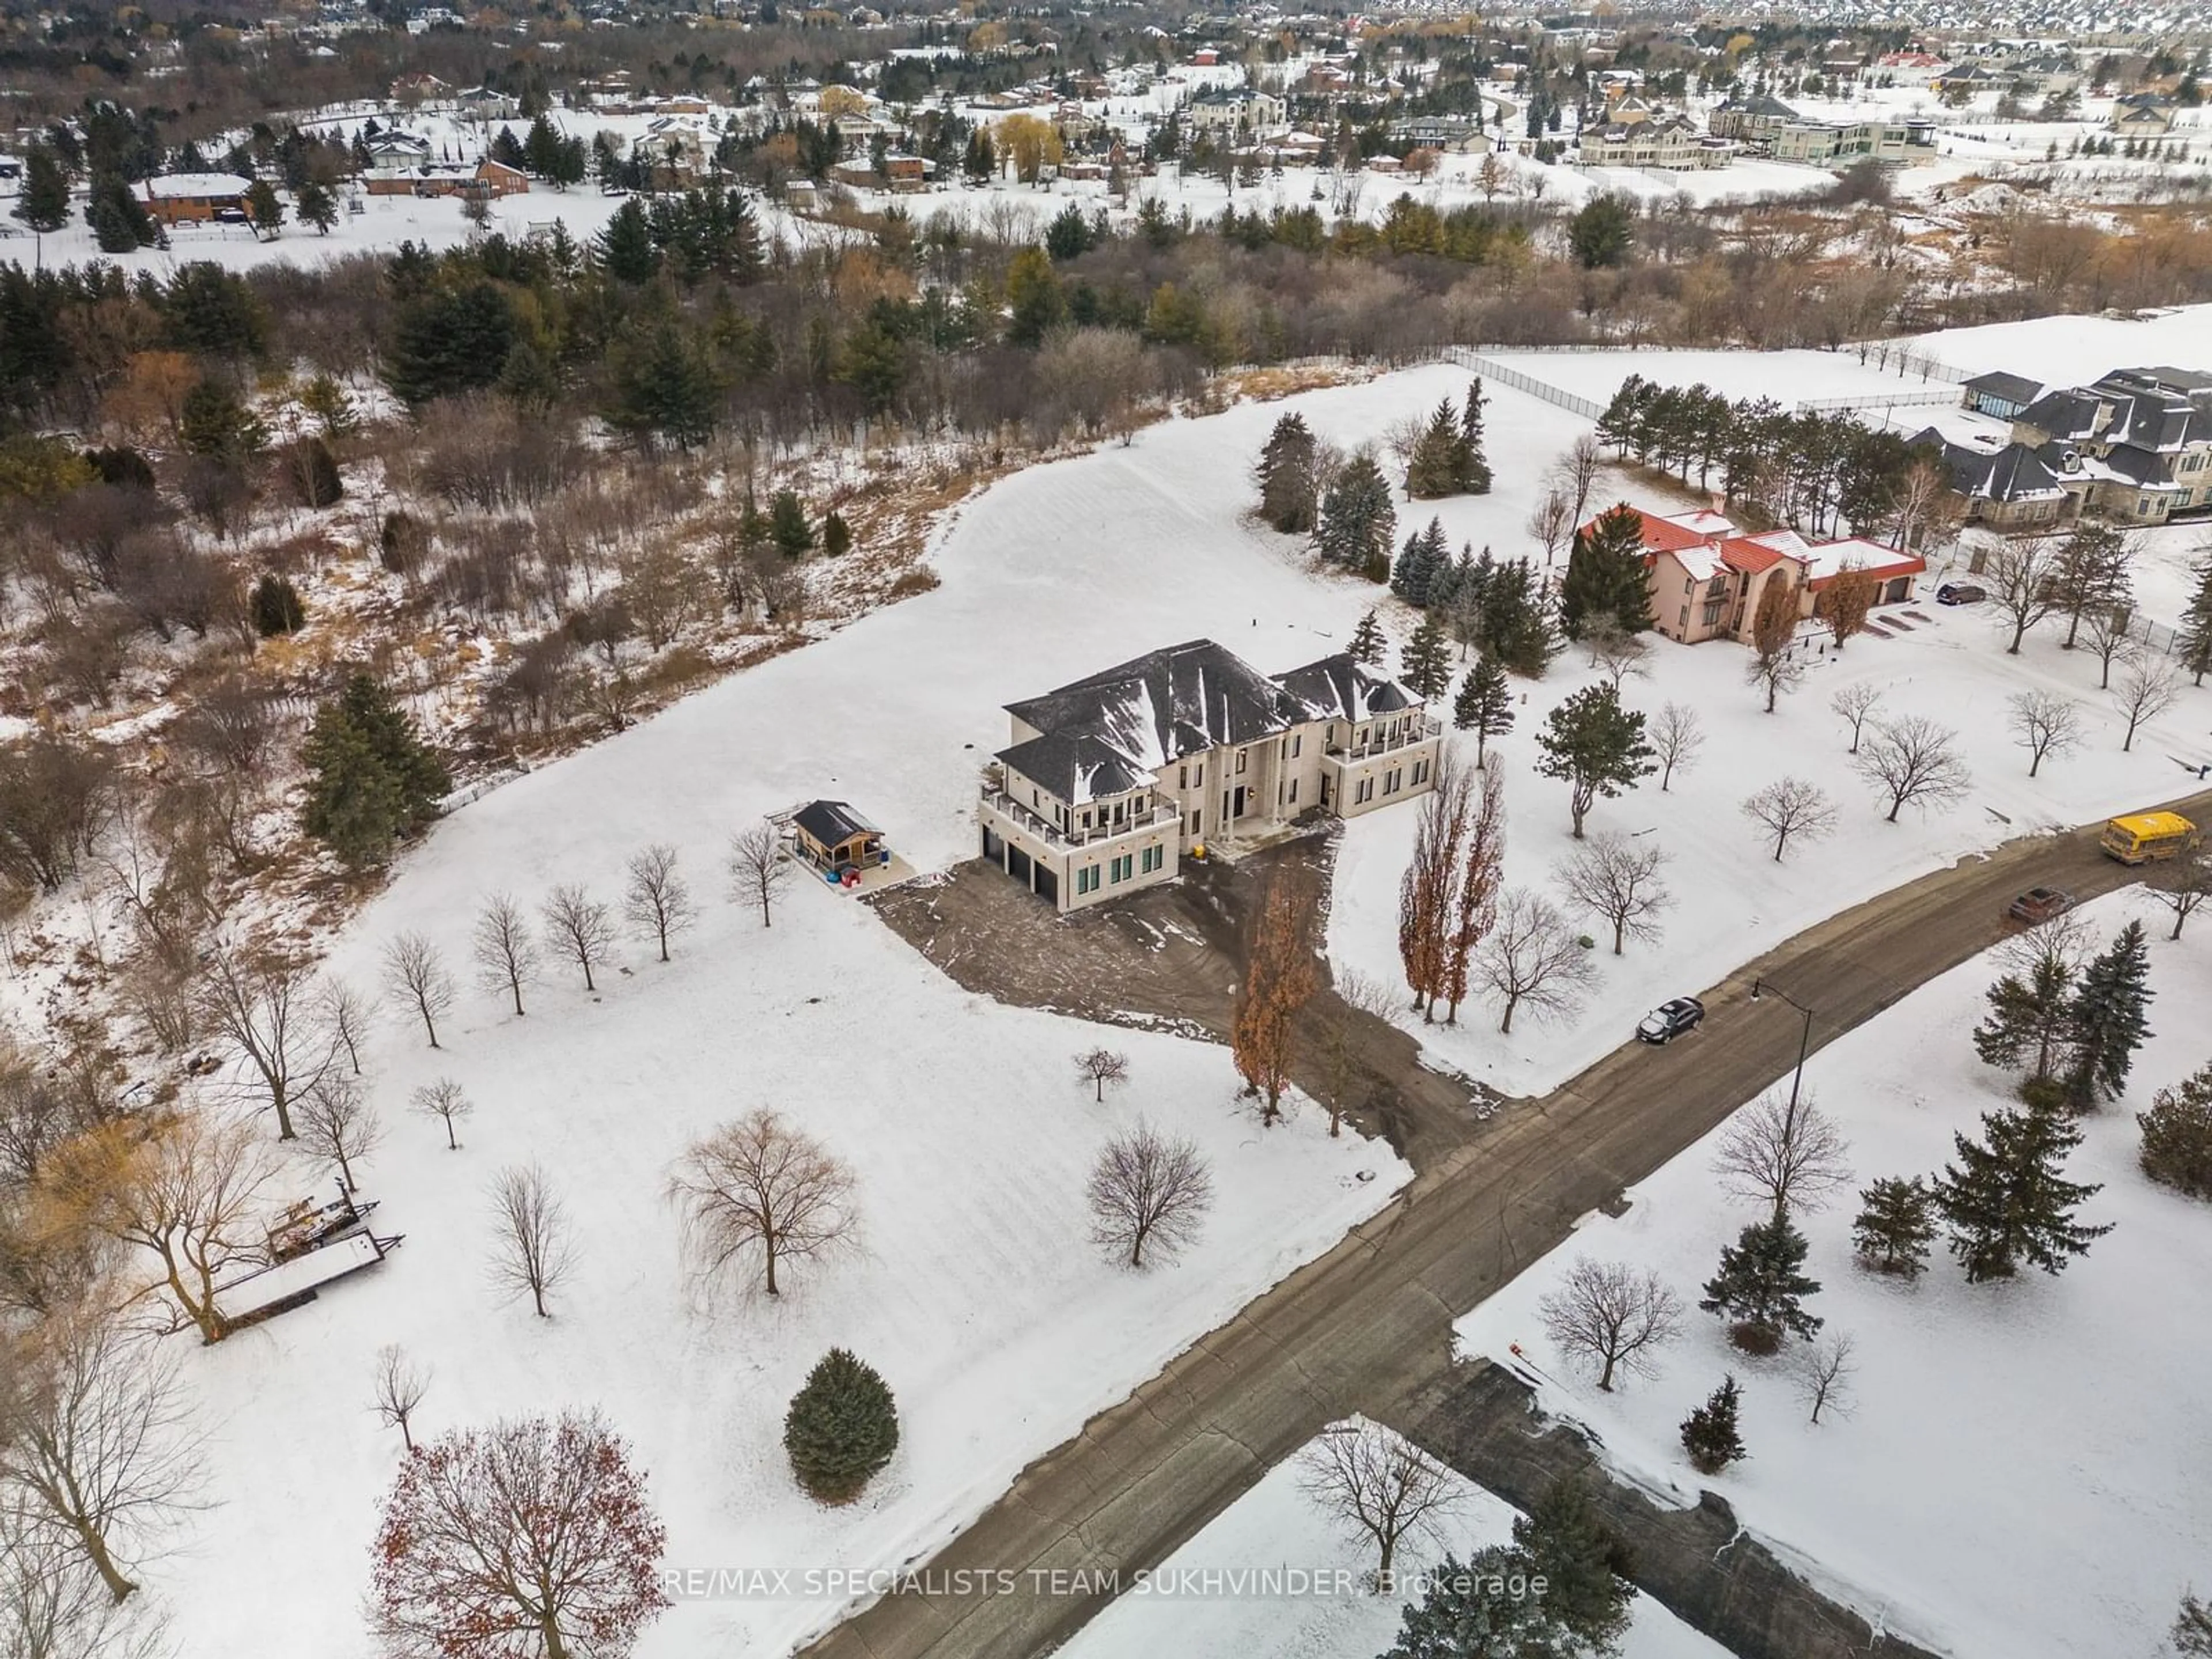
x=830, y=822
x=1337, y=688
x=2012, y=388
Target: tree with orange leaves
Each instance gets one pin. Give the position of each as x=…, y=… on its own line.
x=1279, y=978
x=1475, y=905
x=1844, y=602
x=1427, y=890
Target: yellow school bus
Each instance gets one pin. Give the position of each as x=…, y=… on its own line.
x=2141, y=836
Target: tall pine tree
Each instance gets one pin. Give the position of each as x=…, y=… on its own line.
x=1368, y=646
x=2193, y=649
x=371, y=778
x=2005, y=1201
x=1596, y=746
x=1474, y=464
x=1357, y=521
x=1484, y=705
x=2031, y=1011
x=1425, y=663
x=2108, y=1020
x=1434, y=468
x=1760, y=1288
x=1606, y=577
x=1709, y=1434
x=1286, y=474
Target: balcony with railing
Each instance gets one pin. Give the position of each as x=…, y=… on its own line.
x=1416, y=731
x=1134, y=822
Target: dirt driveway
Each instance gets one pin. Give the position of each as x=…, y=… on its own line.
x=1171, y=958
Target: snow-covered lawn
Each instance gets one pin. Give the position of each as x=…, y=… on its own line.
x=2066, y=351
x=1200, y=1611
x=1732, y=901
x=1785, y=376
x=2026, y=1467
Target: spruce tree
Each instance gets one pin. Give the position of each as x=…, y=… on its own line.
x=1461, y=1615
x=1596, y=746
x=215, y=423
x=1896, y=1225
x=1422, y=562
x=2030, y=1015
x=371, y=778
x=1517, y=618
x=2193, y=648
x=2107, y=1022
x=1286, y=474
x=1425, y=663
x=317, y=206
x=2192, y=1629
x=1368, y=646
x=1585, y=1566
x=841, y=1428
x=1606, y=577
x=43, y=201
x=2005, y=1202
x=1484, y=705
x=1435, y=466
x=625, y=248
x=1357, y=521
x=2176, y=1135
x=1759, y=1289
x=276, y=607
x=119, y=221
x=1474, y=464
x=1709, y=1433
x=837, y=535
x=787, y=525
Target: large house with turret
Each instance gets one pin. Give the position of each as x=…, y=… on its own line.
x=1110, y=780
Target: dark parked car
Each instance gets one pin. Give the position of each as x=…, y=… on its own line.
x=2040, y=904
x=1961, y=593
x=1670, y=1019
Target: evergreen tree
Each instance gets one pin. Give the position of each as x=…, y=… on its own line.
x=448, y=340
x=1484, y=705
x=841, y=1428
x=313, y=473
x=1435, y=467
x=1034, y=301
x=318, y=207
x=1517, y=616
x=2193, y=648
x=2176, y=1135
x=211, y=311
x=2192, y=1629
x=625, y=248
x=1896, y=1225
x=1474, y=464
x=1600, y=234
x=541, y=149
x=2107, y=1021
x=1368, y=646
x=371, y=780
x=837, y=535
x=979, y=160
x=119, y=221
x=1468, y=1612
x=43, y=201
x=787, y=525
x=2029, y=1014
x=1425, y=556
x=1068, y=236
x=1596, y=746
x=663, y=387
x=507, y=151
x=1760, y=1288
x=1709, y=1433
x=1584, y=1565
x=2005, y=1202
x=1605, y=576
x=1425, y=663
x=1287, y=476
x=529, y=379
x=1357, y=520
x=276, y=607
x=263, y=211
x=213, y=422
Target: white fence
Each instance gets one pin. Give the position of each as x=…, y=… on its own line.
x=1591, y=409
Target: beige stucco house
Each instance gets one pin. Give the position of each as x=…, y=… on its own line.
x=1109, y=781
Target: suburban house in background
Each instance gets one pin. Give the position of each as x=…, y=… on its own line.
x=196, y=197
x=2134, y=447
x=483, y=181
x=1707, y=577
x=1111, y=779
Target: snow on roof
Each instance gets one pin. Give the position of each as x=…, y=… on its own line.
x=198, y=184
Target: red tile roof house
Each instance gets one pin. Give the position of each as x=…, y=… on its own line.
x=1707, y=576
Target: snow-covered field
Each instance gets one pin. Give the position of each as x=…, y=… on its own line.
x=2026, y=1466
x=1199, y=1615
x=1786, y=376
x=2063, y=351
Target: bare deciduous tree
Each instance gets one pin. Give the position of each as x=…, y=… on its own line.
x=1782, y=1153
x=1552, y=521
x=532, y=1250
x=1100, y=1067
x=1616, y=653
x=337, y=1124
x=1854, y=704
x=507, y=955
x=2107, y=631
x=95, y=1443
x=1376, y=1486
x=1612, y=1316
x=345, y=1015
x=444, y=1101
x=53, y=1605
x=415, y=976
x=1913, y=760
x=657, y=901
x=1822, y=1371
x=1576, y=474
x=1533, y=958
x=1338, y=1030
x=2022, y=579
x=1280, y=977
x=2045, y=724
x=758, y=869
x=2184, y=885
x=2147, y=690
x=1146, y=1189
x=265, y=1005
x=399, y=1386
x=761, y=1184
x=581, y=928
x=1676, y=735
x=1617, y=878
x=1791, y=807
x=531, y=1537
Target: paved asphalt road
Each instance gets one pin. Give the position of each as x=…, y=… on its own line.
x=1364, y=1326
